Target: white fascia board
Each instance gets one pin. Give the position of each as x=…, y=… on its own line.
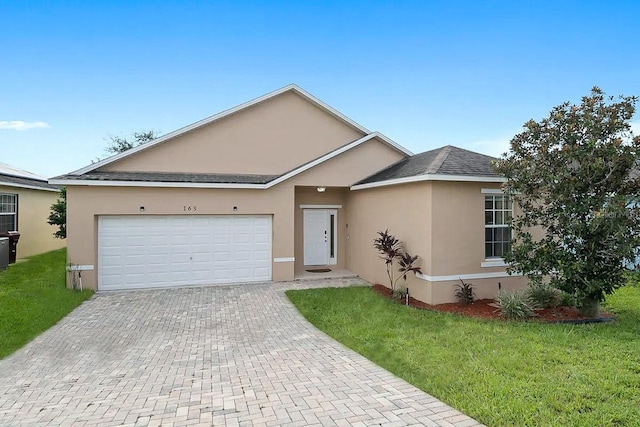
x=327, y=107
x=30, y=187
x=94, y=183
x=471, y=276
x=393, y=144
x=429, y=177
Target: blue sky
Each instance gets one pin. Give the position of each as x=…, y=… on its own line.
x=424, y=73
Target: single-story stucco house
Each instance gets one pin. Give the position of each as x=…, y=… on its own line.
x=279, y=185
x=25, y=204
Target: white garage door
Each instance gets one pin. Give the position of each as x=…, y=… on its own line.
x=161, y=251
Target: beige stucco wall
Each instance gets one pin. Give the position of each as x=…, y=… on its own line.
x=443, y=292
x=442, y=222
x=404, y=210
x=271, y=137
x=34, y=206
x=85, y=204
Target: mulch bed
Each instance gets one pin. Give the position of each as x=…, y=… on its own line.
x=482, y=310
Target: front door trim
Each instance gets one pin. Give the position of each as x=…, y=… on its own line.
x=320, y=206
x=329, y=233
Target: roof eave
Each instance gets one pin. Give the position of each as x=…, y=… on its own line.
x=156, y=184
x=430, y=177
x=30, y=187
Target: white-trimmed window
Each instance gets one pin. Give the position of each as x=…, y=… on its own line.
x=498, y=210
x=8, y=212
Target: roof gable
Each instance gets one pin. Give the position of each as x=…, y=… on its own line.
x=361, y=131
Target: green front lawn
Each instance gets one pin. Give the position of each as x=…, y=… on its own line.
x=33, y=297
x=501, y=373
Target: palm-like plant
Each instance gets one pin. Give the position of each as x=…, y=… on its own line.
x=391, y=251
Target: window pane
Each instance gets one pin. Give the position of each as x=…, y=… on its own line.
x=488, y=218
x=488, y=202
x=7, y=223
x=488, y=252
x=332, y=219
x=499, y=202
x=497, y=249
x=488, y=234
x=7, y=203
x=507, y=217
x=499, y=218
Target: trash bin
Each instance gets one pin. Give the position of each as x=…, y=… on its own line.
x=13, y=236
x=4, y=252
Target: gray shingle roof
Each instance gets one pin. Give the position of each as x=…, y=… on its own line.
x=21, y=181
x=448, y=160
x=209, y=178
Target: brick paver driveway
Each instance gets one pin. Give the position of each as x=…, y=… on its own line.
x=231, y=355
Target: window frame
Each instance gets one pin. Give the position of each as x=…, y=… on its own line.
x=15, y=210
x=496, y=261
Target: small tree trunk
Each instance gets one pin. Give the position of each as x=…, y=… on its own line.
x=589, y=307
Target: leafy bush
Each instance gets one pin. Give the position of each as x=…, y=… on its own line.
x=400, y=293
x=513, y=305
x=543, y=295
x=465, y=293
x=567, y=300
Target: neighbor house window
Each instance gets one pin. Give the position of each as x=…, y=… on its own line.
x=497, y=232
x=8, y=212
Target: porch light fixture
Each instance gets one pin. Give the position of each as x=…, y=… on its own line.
x=321, y=189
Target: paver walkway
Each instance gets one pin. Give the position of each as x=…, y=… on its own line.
x=230, y=355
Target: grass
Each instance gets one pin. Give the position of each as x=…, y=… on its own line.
x=501, y=373
x=34, y=297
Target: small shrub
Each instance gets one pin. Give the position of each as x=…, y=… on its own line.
x=567, y=300
x=543, y=295
x=465, y=293
x=399, y=293
x=513, y=305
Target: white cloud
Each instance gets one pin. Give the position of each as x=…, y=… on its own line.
x=635, y=128
x=21, y=125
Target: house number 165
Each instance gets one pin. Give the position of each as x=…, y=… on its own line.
x=190, y=208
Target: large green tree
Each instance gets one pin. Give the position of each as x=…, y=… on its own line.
x=575, y=179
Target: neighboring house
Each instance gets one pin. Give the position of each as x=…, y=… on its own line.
x=25, y=202
x=276, y=186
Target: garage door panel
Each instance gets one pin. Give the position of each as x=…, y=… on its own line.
x=159, y=251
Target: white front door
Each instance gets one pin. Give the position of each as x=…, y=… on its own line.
x=320, y=236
